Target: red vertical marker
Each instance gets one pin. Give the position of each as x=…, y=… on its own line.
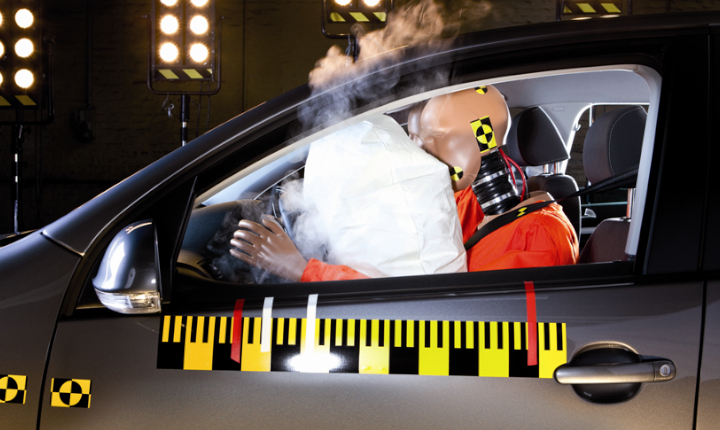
x=532, y=323
x=237, y=330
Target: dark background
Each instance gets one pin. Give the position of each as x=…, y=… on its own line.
x=100, y=60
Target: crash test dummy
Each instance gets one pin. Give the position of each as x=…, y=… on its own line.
x=465, y=130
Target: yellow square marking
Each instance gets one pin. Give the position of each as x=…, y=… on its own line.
x=280, y=331
x=4, y=102
x=178, y=329
x=336, y=17
x=192, y=73
x=611, y=8
x=338, y=332
x=292, y=331
x=398, y=333
x=359, y=17
x=223, y=329
x=166, y=329
x=470, y=330
x=168, y=74
x=411, y=334
x=25, y=100
x=586, y=8
x=382, y=16
x=516, y=336
x=458, y=334
x=351, y=333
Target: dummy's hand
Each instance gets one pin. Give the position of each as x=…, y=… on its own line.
x=270, y=250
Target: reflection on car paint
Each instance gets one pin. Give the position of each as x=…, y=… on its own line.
x=471, y=348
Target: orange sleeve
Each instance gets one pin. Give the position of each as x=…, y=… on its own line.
x=317, y=271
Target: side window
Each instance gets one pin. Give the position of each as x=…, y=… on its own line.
x=387, y=194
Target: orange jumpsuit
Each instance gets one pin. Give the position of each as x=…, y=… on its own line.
x=541, y=238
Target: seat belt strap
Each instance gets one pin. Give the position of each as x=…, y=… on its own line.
x=617, y=181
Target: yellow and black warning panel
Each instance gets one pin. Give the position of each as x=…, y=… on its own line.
x=70, y=393
x=13, y=388
x=473, y=348
x=584, y=7
x=358, y=16
x=183, y=74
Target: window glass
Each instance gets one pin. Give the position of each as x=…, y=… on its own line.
x=321, y=173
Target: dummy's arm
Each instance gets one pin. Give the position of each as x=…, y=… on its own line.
x=270, y=250
x=274, y=251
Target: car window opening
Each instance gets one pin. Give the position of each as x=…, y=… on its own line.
x=550, y=137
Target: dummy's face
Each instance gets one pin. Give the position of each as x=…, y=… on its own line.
x=455, y=128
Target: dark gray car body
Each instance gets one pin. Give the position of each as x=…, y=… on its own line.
x=665, y=303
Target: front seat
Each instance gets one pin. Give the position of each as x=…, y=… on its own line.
x=612, y=147
x=533, y=140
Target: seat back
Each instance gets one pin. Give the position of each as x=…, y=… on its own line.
x=533, y=140
x=612, y=146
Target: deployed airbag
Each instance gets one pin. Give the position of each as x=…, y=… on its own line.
x=386, y=206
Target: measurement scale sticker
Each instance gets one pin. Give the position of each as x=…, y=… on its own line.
x=441, y=348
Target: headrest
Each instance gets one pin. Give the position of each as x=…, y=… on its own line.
x=533, y=139
x=613, y=143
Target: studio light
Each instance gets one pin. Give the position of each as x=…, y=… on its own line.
x=183, y=41
x=24, y=78
x=199, y=52
x=199, y=24
x=24, y=48
x=169, y=52
x=349, y=12
x=169, y=24
x=24, y=18
x=21, y=55
x=184, y=51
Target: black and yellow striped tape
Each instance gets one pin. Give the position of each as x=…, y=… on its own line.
x=351, y=17
x=470, y=348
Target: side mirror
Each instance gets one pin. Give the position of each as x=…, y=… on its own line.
x=128, y=280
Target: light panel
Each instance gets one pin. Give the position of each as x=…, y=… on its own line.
x=186, y=51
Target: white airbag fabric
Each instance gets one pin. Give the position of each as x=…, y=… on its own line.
x=386, y=205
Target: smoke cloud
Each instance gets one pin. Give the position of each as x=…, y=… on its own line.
x=339, y=85
x=419, y=23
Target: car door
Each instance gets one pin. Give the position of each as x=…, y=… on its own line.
x=462, y=350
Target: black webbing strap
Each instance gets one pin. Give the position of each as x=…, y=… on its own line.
x=622, y=180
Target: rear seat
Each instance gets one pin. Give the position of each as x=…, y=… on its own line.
x=533, y=140
x=612, y=146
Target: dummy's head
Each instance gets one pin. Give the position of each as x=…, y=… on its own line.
x=459, y=128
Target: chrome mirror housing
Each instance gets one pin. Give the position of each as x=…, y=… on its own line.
x=128, y=280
